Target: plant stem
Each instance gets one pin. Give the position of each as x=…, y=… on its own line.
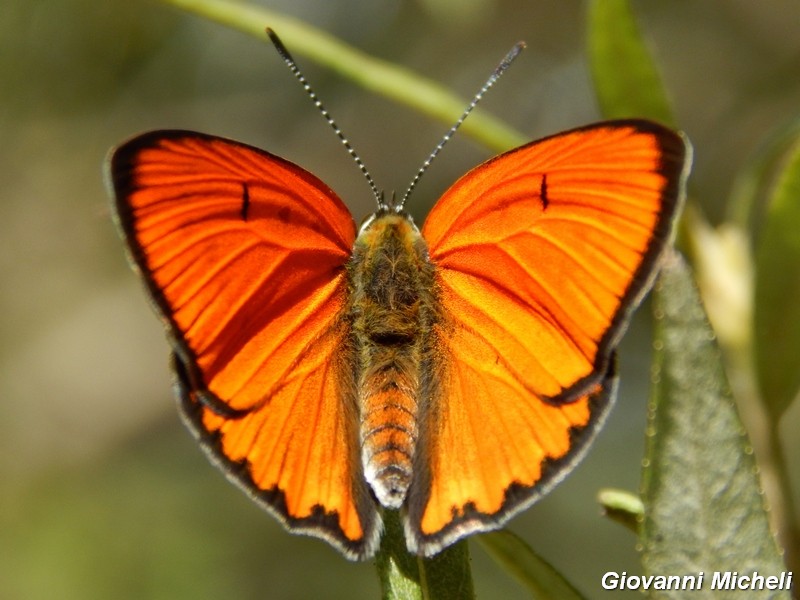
x=371, y=73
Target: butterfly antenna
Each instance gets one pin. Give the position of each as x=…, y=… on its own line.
x=287, y=58
x=501, y=68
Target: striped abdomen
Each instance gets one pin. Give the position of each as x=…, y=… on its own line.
x=392, y=309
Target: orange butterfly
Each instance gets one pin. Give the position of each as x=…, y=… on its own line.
x=456, y=374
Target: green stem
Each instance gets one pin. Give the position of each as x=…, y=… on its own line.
x=403, y=576
x=374, y=74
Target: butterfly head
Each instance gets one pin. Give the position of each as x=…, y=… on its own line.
x=387, y=208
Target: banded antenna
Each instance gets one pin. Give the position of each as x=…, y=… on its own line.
x=397, y=207
x=287, y=58
x=499, y=70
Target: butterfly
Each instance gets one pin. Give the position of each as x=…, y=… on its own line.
x=455, y=372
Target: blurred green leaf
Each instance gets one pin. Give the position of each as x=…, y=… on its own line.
x=403, y=576
x=753, y=179
x=377, y=75
x=722, y=260
x=540, y=578
x=625, y=76
x=32, y=72
x=777, y=292
x=704, y=510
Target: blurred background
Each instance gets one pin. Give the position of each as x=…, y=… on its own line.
x=102, y=491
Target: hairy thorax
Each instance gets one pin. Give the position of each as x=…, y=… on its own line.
x=392, y=309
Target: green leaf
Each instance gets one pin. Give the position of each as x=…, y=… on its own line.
x=623, y=507
x=626, y=79
x=377, y=75
x=704, y=510
x=403, y=576
x=777, y=292
x=527, y=567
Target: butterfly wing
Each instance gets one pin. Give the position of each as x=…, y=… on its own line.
x=541, y=254
x=244, y=255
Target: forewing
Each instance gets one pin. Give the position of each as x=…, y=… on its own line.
x=244, y=255
x=541, y=254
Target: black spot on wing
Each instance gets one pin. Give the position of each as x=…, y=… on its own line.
x=543, y=192
x=245, y=201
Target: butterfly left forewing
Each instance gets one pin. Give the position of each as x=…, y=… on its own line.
x=540, y=254
x=244, y=255
x=560, y=239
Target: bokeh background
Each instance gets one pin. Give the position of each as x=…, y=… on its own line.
x=102, y=492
